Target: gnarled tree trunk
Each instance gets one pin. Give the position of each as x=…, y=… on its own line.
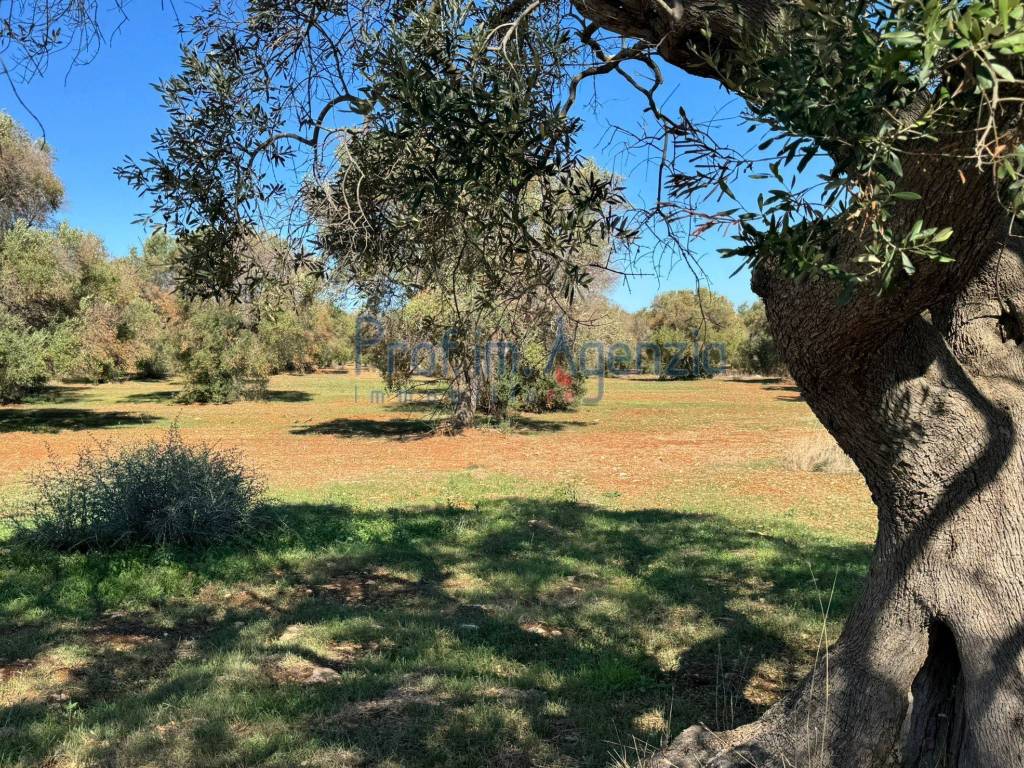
x=927, y=395
x=925, y=390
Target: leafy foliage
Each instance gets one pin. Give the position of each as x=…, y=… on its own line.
x=448, y=100
x=305, y=338
x=69, y=311
x=23, y=358
x=862, y=88
x=220, y=359
x=461, y=137
x=758, y=352
x=682, y=324
x=201, y=185
x=160, y=492
x=45, y=275
x=489, y=360
x=117, y=331
x=534, y=386
x=29, y=189
x=464, y=165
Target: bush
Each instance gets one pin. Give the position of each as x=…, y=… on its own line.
x=24, y=353
x=333, y=333
x=302, y=339
x=113, y=339
x=288, y=343
x=161, y=492
x=541, y=391
x=758, y=353
x=532, y=384
x=220, y=359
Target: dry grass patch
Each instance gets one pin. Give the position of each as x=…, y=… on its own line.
x=820, y=453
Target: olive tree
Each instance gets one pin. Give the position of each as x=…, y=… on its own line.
x=892, y=279
x=758, y=352
x=695, y=332
x=902, y=329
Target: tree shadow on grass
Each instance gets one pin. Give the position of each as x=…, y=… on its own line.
x=520, y=632
x=52, y=420
x=408, y=428
x=531, y=424
x=391, y=428
x=157, y=396
x=775, y=384
x=761, y=380
x=788, y=392
x=286, y=396
x=58, y=393
x=169, y=396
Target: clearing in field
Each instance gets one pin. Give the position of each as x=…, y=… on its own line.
x=547, y=593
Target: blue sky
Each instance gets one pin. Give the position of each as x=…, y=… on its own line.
x=95, y=115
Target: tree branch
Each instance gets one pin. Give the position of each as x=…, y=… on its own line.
x=687, y=32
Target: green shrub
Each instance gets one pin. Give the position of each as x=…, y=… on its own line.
x=300, y=340
x=540, y=391
x=119, y=337
x=45, y=274
x=288, y=344
x=158, y=360
x=219, y=358
x=758, y=353
x=333, y=332
x=533, y=384
x=160, y=492
x=24, y=354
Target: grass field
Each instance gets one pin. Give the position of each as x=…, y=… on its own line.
x=549, y=593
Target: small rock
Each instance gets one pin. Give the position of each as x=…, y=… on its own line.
x=536, y=628
x=321, y=675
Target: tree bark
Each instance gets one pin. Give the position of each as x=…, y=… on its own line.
x=930, y=666
x=929, y=670
x=924, y=389
x=465, y=391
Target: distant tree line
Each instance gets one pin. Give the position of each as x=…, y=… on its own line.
x=538, y=357
x=68, y=311
x=663, y=338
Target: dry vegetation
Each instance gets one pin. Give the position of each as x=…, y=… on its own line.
x=820, y=453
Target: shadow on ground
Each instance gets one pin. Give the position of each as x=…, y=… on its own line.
x=526, y=424
x=776, y=384
x=407, y=427
x=272, y=396
x=61, y=419
x=59, y=393
x=393, y=428
x=519, y=632
x=157, y=396
x=792, y=392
